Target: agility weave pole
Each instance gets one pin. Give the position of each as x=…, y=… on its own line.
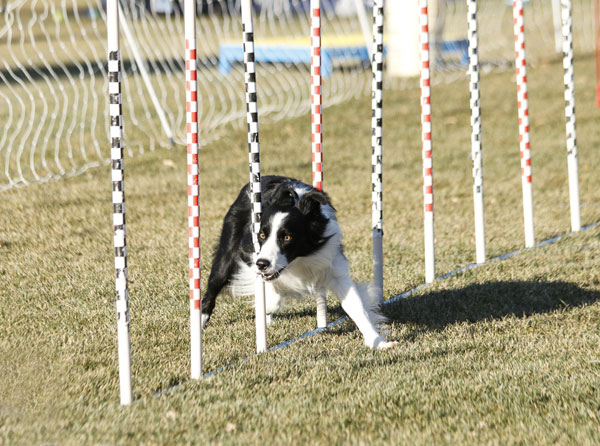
x=597, y=48
x=377, y=146
x=316, y=118
x=315, y=94
x=118, y=200
x=254, y=163
x=573, y=168
x=191, y=99
x=426, y=144
x=523, y=111
x=476, y=151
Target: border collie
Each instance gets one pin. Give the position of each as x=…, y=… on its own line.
x=301, y=255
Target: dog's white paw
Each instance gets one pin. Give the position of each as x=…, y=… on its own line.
x=204, y=320
x=386, y=345
x=269, y=319
x=379, y=343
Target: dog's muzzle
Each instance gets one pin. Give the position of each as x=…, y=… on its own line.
x=263, y=265
x=272, y=276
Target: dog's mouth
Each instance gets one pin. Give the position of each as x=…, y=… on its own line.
x=271, y=276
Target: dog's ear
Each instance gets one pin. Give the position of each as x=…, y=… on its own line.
x=285, y=197
x=311, y=202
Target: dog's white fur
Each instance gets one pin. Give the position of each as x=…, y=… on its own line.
x=312, y=276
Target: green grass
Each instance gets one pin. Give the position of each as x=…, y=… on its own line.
x=504, y=354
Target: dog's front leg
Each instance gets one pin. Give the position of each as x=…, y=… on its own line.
x=352, y=303
x=321, y=301
x=272, y=301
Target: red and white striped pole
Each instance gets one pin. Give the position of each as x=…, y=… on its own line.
x=426, y=142
x=118, y=199
x=191, y=97
x=523, y=111
x=315, y=93
x=316, y=125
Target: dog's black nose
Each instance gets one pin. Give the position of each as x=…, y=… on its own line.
x=263, y=264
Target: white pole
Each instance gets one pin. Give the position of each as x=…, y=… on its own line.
x=377, y=147
x=476, y=152
x=316, y=116
x=191, y=93
x=254, y=161
x=402, y=30
x=567, y=48
x=523, y=111
x=145, y=76
x=427, y=146
x=596, y=34
x=364, y=24
x=260, y=316
x=556, y=19
x=118, y=199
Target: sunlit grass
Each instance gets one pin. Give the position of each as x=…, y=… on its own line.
x=505, y=354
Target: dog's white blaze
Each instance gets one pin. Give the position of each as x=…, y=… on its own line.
x=270, y=249
x=301, y=189
x=327, y=211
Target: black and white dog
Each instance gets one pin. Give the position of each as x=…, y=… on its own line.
x=301, y=255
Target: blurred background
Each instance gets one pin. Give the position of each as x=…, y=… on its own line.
x=53, y=76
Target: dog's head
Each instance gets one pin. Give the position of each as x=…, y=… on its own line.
x=291, y=227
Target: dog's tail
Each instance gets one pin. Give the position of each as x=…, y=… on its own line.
x=370, y=294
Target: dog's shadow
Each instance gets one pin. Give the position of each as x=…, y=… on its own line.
x=487, y=301
x=477, y=302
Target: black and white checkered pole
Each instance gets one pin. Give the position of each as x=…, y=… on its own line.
x=476, y=152
x=567, y=48
x=118, y=199
x=377, y=147
x=254, y=160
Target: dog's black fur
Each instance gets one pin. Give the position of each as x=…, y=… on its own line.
x=300, y=255
x=235, y=242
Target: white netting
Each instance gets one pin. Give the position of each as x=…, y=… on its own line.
x=53, y=77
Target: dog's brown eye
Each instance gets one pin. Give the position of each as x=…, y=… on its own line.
x=262, y=236
x=287, y=238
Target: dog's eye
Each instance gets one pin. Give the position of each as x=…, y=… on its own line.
x=262, y=236
x=287, y=238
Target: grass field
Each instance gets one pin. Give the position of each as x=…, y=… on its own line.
x=503, y=354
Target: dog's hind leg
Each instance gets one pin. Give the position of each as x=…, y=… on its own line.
x=216, y=282
x=222, y=270
x=230, y=251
